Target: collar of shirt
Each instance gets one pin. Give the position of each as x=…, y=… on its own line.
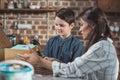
x=61, y=39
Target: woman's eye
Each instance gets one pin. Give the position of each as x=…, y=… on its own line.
x=80, y=24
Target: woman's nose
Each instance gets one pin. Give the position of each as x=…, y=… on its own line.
x=79, y=29
x=58, y=27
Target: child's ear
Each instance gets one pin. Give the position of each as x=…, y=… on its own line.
x=72, y=25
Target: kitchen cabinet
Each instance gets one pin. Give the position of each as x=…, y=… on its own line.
x=109, y=5
x=2, y=4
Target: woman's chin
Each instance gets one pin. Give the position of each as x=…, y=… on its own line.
x=84, y=38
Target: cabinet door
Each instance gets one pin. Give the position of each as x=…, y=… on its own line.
x=109, y=5
x=2, y=4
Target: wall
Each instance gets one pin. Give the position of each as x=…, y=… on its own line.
x=44, y=29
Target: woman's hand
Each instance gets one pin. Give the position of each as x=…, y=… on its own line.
x=23, y=57
x=32, y=58
x=45, y=63
x=35, y=59
x=52, y=59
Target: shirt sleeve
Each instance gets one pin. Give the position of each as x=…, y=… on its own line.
x=94, y=59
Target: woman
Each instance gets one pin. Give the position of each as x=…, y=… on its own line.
x=99, y=61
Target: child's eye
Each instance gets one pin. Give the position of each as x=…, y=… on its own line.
x=56, y=24
x=61, y=25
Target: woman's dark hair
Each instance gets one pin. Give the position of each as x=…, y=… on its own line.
x=66, y=14
x=96, y=18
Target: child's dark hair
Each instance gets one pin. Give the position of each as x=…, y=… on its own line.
x=66, y=14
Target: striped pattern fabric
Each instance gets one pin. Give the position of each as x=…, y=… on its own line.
x=100, y=62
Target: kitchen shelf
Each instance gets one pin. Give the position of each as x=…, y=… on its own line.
x=20, y=12
x=27, y=10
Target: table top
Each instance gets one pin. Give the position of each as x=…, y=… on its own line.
x=44, y=74
x=51, y=77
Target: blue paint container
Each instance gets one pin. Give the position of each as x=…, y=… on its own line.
x=16, y=70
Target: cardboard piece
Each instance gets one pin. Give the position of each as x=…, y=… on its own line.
x=10, y=53
x=4, y=43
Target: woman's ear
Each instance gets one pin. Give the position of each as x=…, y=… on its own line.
x=102, y=35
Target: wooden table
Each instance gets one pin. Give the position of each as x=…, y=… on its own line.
x=44, y=74
x=51, y=77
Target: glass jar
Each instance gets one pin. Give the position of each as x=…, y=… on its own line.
x=11, y=5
